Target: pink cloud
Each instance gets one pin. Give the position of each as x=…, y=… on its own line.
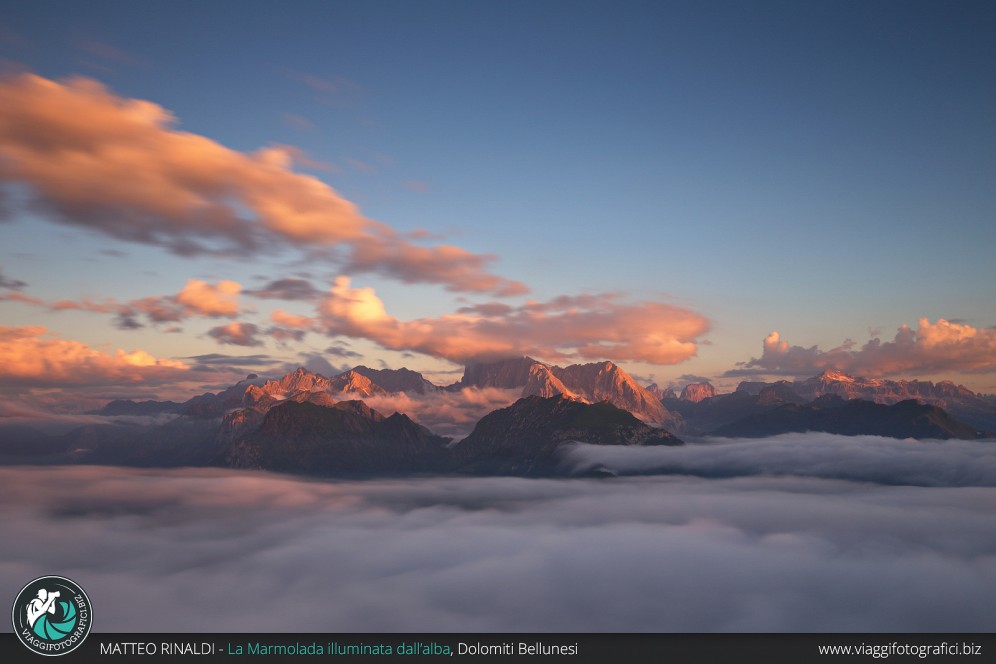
x=443, y=264
x=196, y=298
x=588, y=327
x=943, y=346
x=282, y=318
x=218, y=300
x=30, y=359
x=118, y=166
x=451, y=414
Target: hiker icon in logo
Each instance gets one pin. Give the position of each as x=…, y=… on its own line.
x=52, y=615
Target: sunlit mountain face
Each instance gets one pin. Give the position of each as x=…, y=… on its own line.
x=526, y=301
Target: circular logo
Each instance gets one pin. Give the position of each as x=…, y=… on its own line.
x=52, y=615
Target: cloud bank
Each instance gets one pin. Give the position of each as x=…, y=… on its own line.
x=932, y=347
x=118, y=166
x=32, y=360
x=242, y=552
x=589, y=327
x=824, y=455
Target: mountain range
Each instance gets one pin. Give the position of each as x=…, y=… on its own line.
x=833, y=414
x=959, y=412
x=305, y=422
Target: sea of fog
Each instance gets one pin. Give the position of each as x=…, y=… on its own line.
x=796, y=533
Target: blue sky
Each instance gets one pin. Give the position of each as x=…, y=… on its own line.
x=824, y=169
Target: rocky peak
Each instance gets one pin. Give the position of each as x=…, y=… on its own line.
x=606, y=381
x=299, y=380
x=397, y=380
x=833, y=376
x=696, y=392
x=542, y=382
x=355, y=382
x=590, y=383
x=776, y=393
x=504, y=374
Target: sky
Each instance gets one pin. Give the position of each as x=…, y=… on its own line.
x=193, y=191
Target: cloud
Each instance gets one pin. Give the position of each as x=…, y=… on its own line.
x=297, y=121
x=109, y=53
x=211, y=360
x=281, y=317
x=284, y=335
x=649, y=554
x=451, y=414
x=117, y=166
x=933, y=347
x=286, y=289
x=315, y=363
x=416, y=185
x=236, y=334
x=854, y=458
x=196, y=298
x=339, y=351
x=31, y=360
x=458, y=268
x=595, y=327
x=219, y=300
x=10, y=284
x=337, y=91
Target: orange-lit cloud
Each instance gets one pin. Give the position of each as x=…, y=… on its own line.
x=32, y=360
x=281, y=317
x=196, y=298
x=117, y=166
x=205, y=299
x=588, y=327
x=931, y=348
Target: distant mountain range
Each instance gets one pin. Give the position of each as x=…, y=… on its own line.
x=832, y=414
x=304, y=422
x=965, y=414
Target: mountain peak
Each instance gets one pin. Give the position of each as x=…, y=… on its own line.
x=397, y=380
x=696, y=392
x=296, y=381
x=590, y=383
x=835, y=375
x=354, y=381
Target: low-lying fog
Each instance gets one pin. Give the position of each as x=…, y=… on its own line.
x=795, y=533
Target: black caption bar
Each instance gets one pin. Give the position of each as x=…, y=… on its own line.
x=567, y=648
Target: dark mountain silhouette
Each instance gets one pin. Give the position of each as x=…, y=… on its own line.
x=832, y=414
x=959, y=401
x=703, y=416
x=525, y=438
x=345, y=439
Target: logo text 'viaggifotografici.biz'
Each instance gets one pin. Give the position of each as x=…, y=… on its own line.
x=52, y=615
